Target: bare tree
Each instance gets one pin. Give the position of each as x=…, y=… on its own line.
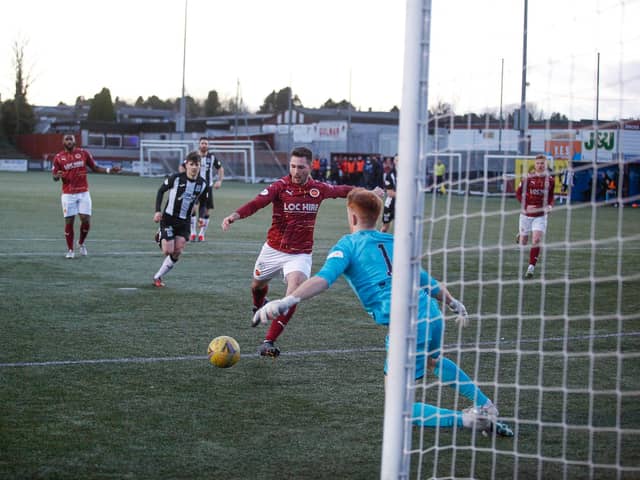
x=17, y=114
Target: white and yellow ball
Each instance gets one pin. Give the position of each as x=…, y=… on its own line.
x=224, y=351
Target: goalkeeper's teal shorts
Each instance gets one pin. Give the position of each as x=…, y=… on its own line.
x=428, y=340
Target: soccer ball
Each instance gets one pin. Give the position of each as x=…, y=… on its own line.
x=224, y=351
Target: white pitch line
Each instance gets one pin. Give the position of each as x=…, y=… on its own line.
x=301, y=353
x=100, y=361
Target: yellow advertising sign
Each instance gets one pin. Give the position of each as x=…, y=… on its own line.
x=524, y=166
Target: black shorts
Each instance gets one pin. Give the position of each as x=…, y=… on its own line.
x=388, y=213
x=206, y=198
x=170, y=228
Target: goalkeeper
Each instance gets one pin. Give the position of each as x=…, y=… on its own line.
x=364, y=257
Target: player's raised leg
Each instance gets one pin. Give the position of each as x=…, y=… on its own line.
x=293, y=279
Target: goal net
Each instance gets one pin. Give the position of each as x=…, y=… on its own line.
x=557, y=353
x=244, y=160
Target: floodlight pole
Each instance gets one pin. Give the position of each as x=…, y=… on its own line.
x=500, y=120
x=237, y=107
x=595, y=139
x=182, y=121
x=290, y=107
x=349, y=117
x=524, y=119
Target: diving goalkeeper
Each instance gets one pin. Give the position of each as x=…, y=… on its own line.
x=364, y=257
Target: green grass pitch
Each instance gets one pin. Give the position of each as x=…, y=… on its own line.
x=104, y=376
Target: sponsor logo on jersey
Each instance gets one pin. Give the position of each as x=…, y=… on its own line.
x=78, y=164
x=301, y=207
x=314, y=192
x=336, y=254
x=77, y=155
x=264, y=192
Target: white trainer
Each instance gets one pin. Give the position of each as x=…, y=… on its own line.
x=83, y=250
x=530, y=270
x=70, y=254
x=490, y=410
x=496, y=427
x=475, y=417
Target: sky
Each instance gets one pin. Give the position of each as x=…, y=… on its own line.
x=338, y=49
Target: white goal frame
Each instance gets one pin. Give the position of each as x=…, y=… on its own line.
x=245, y=148
x=412, y=141
x=147, y=147
x=584, y=284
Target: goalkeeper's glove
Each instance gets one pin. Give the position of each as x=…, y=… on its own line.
x=274, y=309
x=462, y=318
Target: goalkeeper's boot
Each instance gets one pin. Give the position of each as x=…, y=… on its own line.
x=474, y=417
x=530, y=270
x=501, y=429
x=158, y=283
x=268, y=349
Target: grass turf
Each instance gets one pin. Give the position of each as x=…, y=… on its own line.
x=103, y=376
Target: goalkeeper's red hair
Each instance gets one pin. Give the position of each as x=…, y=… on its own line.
x=365, y=205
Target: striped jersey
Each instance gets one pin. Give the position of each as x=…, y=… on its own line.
x=207, y=164
x=389, y=180
x=183, y=194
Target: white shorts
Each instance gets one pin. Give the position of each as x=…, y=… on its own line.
x=271, y=261
x=75, y=203
x=530, y=224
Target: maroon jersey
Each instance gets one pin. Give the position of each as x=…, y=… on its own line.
x=74, y=166
x=295, y=208
x=538, y=192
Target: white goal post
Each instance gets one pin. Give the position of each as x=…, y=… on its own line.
x=556, y=351
x=238, y=157
x=163, y=157
x=397, y=428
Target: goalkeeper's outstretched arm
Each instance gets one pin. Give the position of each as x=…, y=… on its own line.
x=456, y=306
x=309, y=288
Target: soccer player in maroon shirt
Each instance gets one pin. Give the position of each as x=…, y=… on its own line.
x=296, y=199
x=70, y=166
x=536, y=195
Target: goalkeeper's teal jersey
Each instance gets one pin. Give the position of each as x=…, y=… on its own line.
x=365, y=259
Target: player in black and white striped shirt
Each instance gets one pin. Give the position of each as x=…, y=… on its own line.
x=210, y=166
x=185, y=189
x=389, y=181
